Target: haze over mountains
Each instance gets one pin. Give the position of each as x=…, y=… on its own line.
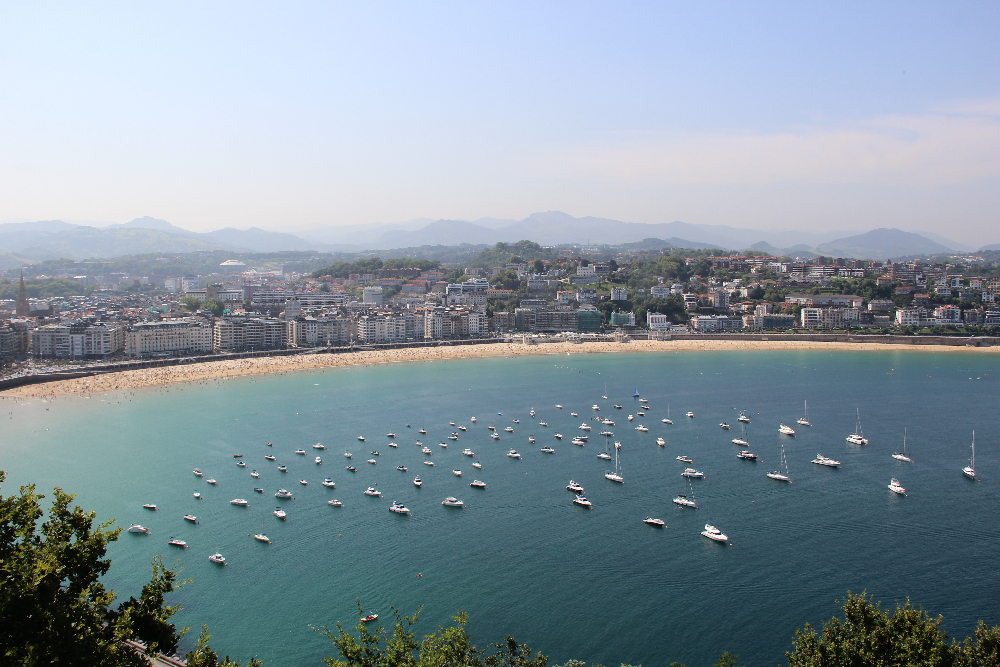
x=50, y=239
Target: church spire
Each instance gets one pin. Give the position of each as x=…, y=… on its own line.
x=23, y=308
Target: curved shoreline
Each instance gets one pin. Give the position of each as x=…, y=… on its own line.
x=137, y=379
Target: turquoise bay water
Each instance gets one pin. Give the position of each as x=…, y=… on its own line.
x=520, y=558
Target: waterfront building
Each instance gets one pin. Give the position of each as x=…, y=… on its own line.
x=657, y=320
x=588, y=318
x=77, y=341
x=180, y=336
x=623, y=319
x=249, y=334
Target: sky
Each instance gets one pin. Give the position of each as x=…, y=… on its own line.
x=297, y=116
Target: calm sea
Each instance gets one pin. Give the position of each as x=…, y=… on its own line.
x=520, y=558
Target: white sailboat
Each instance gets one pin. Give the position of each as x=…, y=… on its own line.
x=903, y=456
x=667, y=420
x=616, y=474
x=970, y=470
x=742, y=440
x=781, y=474
x=804, y=419
x=858, y=437
x=686, y=501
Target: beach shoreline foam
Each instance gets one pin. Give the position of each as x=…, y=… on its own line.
x=213, y=370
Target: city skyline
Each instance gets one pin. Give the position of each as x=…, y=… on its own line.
x=770, y=117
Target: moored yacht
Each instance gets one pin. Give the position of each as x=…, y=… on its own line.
x=685, y=459
x=743, y=417
x=198, y=472
x=282, y=468
x=241, y=464
x=348, y=455
x=197, y=495
x=547, y=450
x=456, y=472
x=477, y=464
x=280, y=513
x=427, y=450
x=136, y=528
x=858, y=437
x=825, y=461
x=318, y=461
x=747, y=455
x=372, y=491
x=896, y=487
x=582, y=501
x=468, y=452
x=713, y=533
x=661, y=442
x=174, y=542
x=239, y=502
x=690, y=414
x=724, y=425
x=150, y=506
x=329, y=483
x=401, y=468
x=300, y=451
x=970, y=470
x=190, y=517
x=335, y=503
x=786, y=430
x=399, y=508
x=261, y=537
x=451, y=501
x=319, y=446
x=476, y=484
x=684, y=501
x=513, y=454
x=271, y=457
x=659, y=523
x=558, y=436
x=573, y=486
x=804, y=419
x=283, y=493
x=902, y=456
x=531, y=439
x=218, y=559
x=692, y=473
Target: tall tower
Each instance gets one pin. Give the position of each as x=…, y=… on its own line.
x=23, y=308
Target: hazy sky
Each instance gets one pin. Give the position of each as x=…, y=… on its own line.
x=296, y=115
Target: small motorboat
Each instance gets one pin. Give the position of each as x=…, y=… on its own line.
x=690, y=414
x=197, y=495
x=150, y=506
x=453, y=436
x=352, y=468
x=401, y=468
x=547, y=450
x=300, y=451
x=428, y=463
x=422, y=432
x=531, y=439
x=747, y=455
x=282, y=468
x=269, y=445
x=605, y=456
x=559, y=406
x=255, y=474
x=452, y=502
x=241, y=464
x=786, y=430
x=375, y=453
x=239, y=502
x=218, y=559
x=476, y=484
x=684, y=501
x=582, y=501
x=390, y=435
x=191, y=517
x=257, y=489
x=198, y=472
x=329, y=483
x=361, y=438
x=237, y=456
x=667, y=421
x=269, y=457
x=283, y=493
x=631, y=417
x=574, y=487
x=319, y=446
x=451, y=423
x=642, y=429
x=369, y=618
x=691, y=472
x=399, y=508
x=684, y=459
x=335, y=503
x=456, y=472
x=280, y=513
x=261, y=537
x=318, y=461
x=348, y=455
x=373, y=461
x=468, y=452
x=417, y=482
x=303, y=482
x=558, y=436
x=509, y=429
x=174, y=542
x=136, y=528
x=372, y=491
x=574, y=414
x=826, y=461
x=580, y=442
x=212, y=482
x=513, y=454
x=427, y=450
x=393, y=445
x=659, y=523
x=713, y=533
x=518, y=421
x=724, y=425
x=661, y=442
x=543, y=423
x=445, y=444
x=618, y=407
x=462, y=428
x=472, y=419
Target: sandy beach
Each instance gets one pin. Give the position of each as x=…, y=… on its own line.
x=194, y=373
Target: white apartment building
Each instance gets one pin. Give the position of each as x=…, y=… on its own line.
x=77, y=341
x=660, y=291
x=373, y=295
x=249, y=334
x=180, y=336
x=619, y=294
x=657, y=320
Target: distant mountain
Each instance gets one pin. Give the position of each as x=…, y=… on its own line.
x=146, y=222
x=258, y=240
x=992, y=246
x=882, y=244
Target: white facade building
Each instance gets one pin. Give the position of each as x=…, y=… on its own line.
x=180, y=336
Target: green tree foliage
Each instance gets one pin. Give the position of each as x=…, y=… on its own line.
x=216, y=306
x=506, y=280
x=869, y=635
x=538, y=266
x=41, y=289
x=190, y=303
x=447, y=647
x=344, y=269
x=407, y=263
x=53, y=607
